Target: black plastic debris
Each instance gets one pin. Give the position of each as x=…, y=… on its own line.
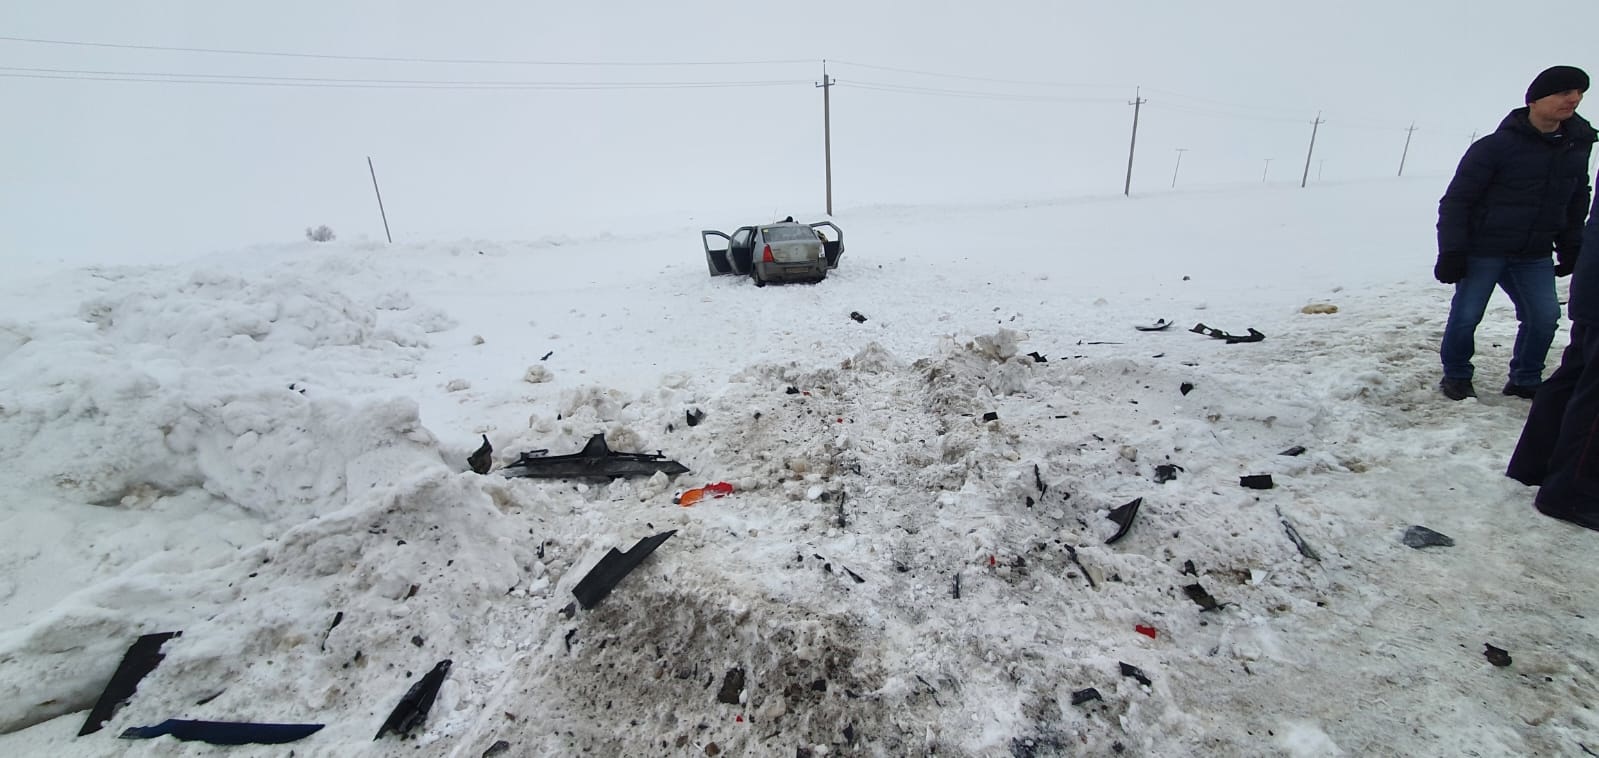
x=1295, y=450
x=732, y=685
x=1085, y=695
x=499, y=748
x=792, y=390
x=1134, y=672
x=1420, y=536
x=1038, y=480
x=547, y=355
x=414, y=705
x=957, y=592
x=991, y=416
x=1496, y=655
x=223, y=732
x=695, y=416
x=1197, y=593
x=1037, y=358
x=1231, y=339
x=1257, y=481
x=1185, y=388
x=601, y=579
x=855, y=576
x=1122, y=516
x=1072, y=552
x=337, y=617
x=1189, y=569
x=857, y=316
x=483, y=458
x=1293, y=536
x=1166, y=472
x=596, y=461
x=141, y=658
x=1159, y=324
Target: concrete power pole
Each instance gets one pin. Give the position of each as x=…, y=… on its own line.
x=827, y=133
x=1314, y=125
x=1138, y=101
x=1178, y=167
x=1406, y=153
x=381, y=212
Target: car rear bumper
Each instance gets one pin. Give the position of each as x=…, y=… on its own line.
x=779, y=272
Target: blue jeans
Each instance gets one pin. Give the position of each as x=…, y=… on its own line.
x=1530, y=283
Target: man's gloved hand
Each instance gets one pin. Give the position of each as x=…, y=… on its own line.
x=1450, y=268
x=1565, y=263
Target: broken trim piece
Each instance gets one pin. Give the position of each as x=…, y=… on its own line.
x=1231, y=339
x=596, y=461
x=141, y=658
x=223, y=732
x=612, y=568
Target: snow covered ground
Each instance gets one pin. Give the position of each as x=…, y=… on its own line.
x=246, y=446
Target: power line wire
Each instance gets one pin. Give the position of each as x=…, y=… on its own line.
x=430, y=82
x=1026, y=82
x=485, y=86
x=391, y=59
x=914, y=90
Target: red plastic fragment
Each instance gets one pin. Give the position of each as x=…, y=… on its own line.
x=1147, y=631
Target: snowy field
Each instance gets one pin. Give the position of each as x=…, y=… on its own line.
x=248, y=445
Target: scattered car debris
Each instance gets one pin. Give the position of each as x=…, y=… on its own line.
x=1231, y=339
x=695, y=416
x=1496, y=655
x=1185, y=388
x=1072, y=552
x=1197, y=593
x=990, y=416
x=337, y=617
x=853, y=575
x=1189, y=569
x=140, y=659
x=792, y=390
x=1420, y=536
x=1293, y=536
x=1134, y=672
x=732, y=686
x=1166, y=472
x=498, y=748
x=1159, y=325
x=1257, y=481
x=1085, y=695
x=689, y=497
x=1037, y=358
x=596, y=461
x=957, y=593
x=1146, y=630
x=546, y=356
x=1038, y=481
x=223, y=732
x=1293, y=451
x=857, y=316
x=1122, y=516
x=483, y=459
x=601, y=579
x=413, y=707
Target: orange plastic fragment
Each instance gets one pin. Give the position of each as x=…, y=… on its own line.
x=687, y=498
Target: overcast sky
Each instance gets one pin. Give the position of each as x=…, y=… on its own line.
x=123, y=170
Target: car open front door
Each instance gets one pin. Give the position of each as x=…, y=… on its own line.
x=832, y=245
x=716, y=257
x=741, y=249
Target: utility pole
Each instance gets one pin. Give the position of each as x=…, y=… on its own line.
x=827, y=132
x=1174, y=171
x=1314, y=125
x=1265, y=171
x=1473, y=139
x=1138, y=101
x=380, y=199
x=1406, y=153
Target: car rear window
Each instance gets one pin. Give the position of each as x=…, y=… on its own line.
x=787, y=233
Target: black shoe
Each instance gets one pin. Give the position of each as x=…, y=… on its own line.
x=1583, y=518
x=1457, y=389
x=1520, y=390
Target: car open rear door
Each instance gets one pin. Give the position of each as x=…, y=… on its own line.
x=832, y=245
x=716, y=257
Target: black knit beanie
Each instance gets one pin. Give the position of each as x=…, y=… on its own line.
x=1555, y=80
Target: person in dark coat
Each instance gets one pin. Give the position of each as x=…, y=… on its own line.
x=1559, y=447
x=1518, y=194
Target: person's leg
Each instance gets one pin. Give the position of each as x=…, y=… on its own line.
x=1572, y=484
x=1531, y=287
x=1465, y=312
x=1530, y=463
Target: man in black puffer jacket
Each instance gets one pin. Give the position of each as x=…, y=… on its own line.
x=1559, y=447
x=1518, y=194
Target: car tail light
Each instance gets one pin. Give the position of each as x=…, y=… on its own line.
x=766, y=255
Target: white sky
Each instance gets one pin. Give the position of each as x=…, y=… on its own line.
x=135, y=169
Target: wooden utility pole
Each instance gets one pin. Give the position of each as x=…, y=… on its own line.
x=1138, y=101
x=1406, y=153
x=379, y=193
x=1179, y=166
x=1265, y=171
x=1314, y=125
x=827, y=132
